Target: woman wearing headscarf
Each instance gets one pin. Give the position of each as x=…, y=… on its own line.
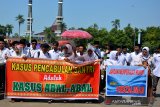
x=146, y=62
x=68, y=53
x=90, y=55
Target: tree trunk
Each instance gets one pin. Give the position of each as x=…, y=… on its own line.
x=19, y=31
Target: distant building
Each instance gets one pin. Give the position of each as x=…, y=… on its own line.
x=39, y=37
x=57, y=25
x=29, y=19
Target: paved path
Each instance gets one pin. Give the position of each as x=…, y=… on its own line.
x=44, y=103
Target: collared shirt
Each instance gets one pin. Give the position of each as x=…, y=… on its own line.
x=33, y=51
x=3, y=53
x=135, y=59
x=126, y=56
x=26, y=52
x=40, y=54
x=120, y=60
x=112, y=55
x=156, y=63
x=11, y=51
x=55, y=55
x=14, y=54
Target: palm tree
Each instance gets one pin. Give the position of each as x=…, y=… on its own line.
x=48, y=33
x=64, y=26
x=116, y=23
x=95, y=26
x=2, y=30
x=9, y=28
x=20, y=20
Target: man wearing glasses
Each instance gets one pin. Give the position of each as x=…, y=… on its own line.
x=33, y=48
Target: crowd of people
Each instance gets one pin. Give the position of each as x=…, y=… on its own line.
x=79, y=54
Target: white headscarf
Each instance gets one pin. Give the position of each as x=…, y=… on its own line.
x=90, y=47
x=145, y=58
x=70, y=50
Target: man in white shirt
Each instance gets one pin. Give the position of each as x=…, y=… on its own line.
x=126, y=55
x=33, y=48
x=135, y=57
x=81, y=49
x=16, y=52
x=14, y=43
x=55, y=53
x=43, y=53
x=4, y=52
x=24, y=49
x=97, y=50
x=116, y=57
x=156, y=70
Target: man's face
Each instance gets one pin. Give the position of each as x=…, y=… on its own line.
x=16, y=49
x=81, y=48
x=124, y=50
x=2, y=44
x=90, y=52
x=119, y=50
x=55, y=47
x=34, y=44
x=44, y=49
x=136, y=48
x=77, y=49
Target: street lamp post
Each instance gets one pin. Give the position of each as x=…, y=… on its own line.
x=139, y=37
x=134, y=38
x=30, y=31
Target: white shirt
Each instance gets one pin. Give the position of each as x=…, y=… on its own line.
x=11, y=51
x=112, y=55
x=33, y=51
x=26, y=52
x=3, y=53
x=90, y=58
x=14, y=54
x=108, y=62
x=102, y=54
x=126, y=56
x=156, y=63
x=42, y=55
x=55, y=55
x=119, y=61
x=78, y=53
x=135, y=59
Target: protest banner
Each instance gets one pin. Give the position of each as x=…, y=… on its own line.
x=126, y=81
x=51, y=79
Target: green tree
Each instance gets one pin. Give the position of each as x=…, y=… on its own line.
x=20, y=20
x=3, y=30
x=116, y=23
x=64, y=26
x=9, y=29
x=72, y=28
x=15, y=35
x=95, y=26
x=49, y=35
x=130, y=35
x=150, y=37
